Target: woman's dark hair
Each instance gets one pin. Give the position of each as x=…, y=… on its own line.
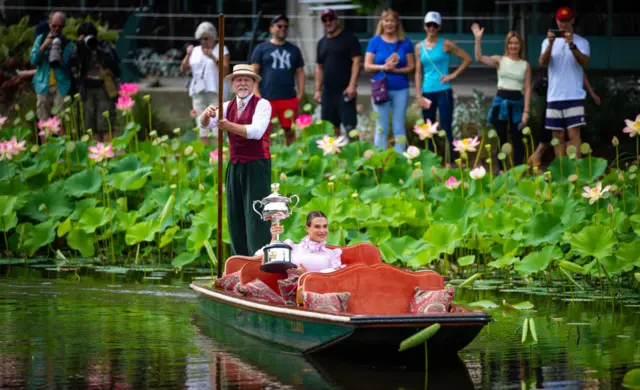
x=312, y=215
x=87, y=28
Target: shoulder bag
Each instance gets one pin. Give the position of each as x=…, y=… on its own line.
x=380, y=88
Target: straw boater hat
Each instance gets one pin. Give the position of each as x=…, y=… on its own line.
x=243, y=70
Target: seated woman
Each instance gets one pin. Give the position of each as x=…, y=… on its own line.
x=311, y=254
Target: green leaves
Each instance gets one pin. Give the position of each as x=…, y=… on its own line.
x=443, y=238
x=595, y=241
x=543, y=228
x=83, y=183
x=538, y=261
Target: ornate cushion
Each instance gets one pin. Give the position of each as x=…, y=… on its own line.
x=431, y=301
x=228, y=282
x=288, y=288
x=329, y=302
x=257, y=289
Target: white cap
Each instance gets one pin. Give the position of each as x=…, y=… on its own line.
x=433, y=17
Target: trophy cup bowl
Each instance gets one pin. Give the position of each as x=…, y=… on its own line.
x=275, y=207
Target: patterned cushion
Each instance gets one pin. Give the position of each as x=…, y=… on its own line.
x=257, y=289
x=288, y=288
x=329, y=302
x=431, y=301
x=228, y=282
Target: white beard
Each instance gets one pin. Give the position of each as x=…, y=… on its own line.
x=243, y=93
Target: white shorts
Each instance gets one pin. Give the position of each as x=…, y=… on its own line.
x=200, y=102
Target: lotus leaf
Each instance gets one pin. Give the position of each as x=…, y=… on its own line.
x=47, y=203
x=596, y=241
x=8, y=222
x=631, y=379
x=40, y=235
x=526, y=305
x=142, y=231
x=484, y=304
x=129, y=180
x=543, y=228
x=379, y=192
x=168, y=235
x=503, y=262
x=538, y=261
x=64, y=227
x=84, y=182
x=81, y=206
x=444, y=238
x=199, y=234
x=81, y=241
x=93, y=218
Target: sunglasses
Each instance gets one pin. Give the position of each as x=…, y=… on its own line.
x=431, y=25
x=57, y=25
x=282, y=26
x=204, y=39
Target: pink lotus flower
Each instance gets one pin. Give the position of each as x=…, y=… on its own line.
x=595, y=193
x=213, y=157
x=100, y=152
x=3, y=119
x=633, y=127
x=49, y=127
x=125, y=103
x=303, y=121
x=452, y=183
x=128, y=89
x=412, y=152
x=466, y=145
x=14, y=146
x=5, y=154
x=193, y=113
x=330, y=145
x=426, y=130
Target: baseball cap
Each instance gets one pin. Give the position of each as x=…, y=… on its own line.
x=433, y=17
x=564, y=13
x=278, y=18
x=328, y=13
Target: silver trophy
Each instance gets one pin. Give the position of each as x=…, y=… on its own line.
x=275, y=207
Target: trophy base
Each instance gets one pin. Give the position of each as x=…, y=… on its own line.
x=277, y=258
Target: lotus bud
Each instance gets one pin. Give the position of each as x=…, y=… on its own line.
x=487, y=147
x=547, y=175
x=42, y=207
x=35, y=148
x=492, y=134
x=615, y=141
x=610, y=209
x=488, y=161
x=458, y=161
x=147, y=98
x=535, y=170
x=273, y=156
x=173, y=186
x=90, y=131
x=188, y=150
x=434, y=170
x=283, y=176
x=571, y=152
x=330, y=186
x=174, y=172
x=332, y=178
x=502, y=156
x=573, y=178
x=526, y=131
x=70, y=146
x=281, y=132
x=490, y=215
x=585, y=148
x=368, y=154
x=153, y=134
x=620, y=177
x=307, y=107
x=549, y=196
x=17, y=107
x=509, y=202
x=416, y=174
x=299, y=152
x=421, y=196
x=632, y=176
x=401, y=182
x=418, y=164
x=274, y=121
x=633, y=169
x=76, y=96
x=347, y=177
x=353, y=133
x=84, y=138
x=201, y=187
x=67, y=99
x=614, y=187
x=442, y=134
x=555, y=141
x=507, y=148
x=273, y=135
x=525, y=141
x=106, y=114
x=354, y=195
x=538, y=193
x=176, y=131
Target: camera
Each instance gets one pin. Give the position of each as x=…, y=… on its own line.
x=91, y=41
x=55, y=54
x=558, y=33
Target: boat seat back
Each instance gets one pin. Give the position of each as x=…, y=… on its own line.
x=251, y=271
x=375, y=290
x=235, y=263
x=363, y=252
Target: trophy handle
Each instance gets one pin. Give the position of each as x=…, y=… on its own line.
x=254, y=207
x=297, y=201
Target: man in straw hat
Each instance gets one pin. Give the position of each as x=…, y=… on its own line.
x=246, y=121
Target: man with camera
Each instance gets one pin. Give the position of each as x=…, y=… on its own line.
x=97, y=67
x=50, y=55
x=566, y=60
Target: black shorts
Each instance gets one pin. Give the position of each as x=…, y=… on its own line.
x=337, y=111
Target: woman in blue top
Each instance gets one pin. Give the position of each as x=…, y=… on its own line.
x=389, y=54
x=433, y=90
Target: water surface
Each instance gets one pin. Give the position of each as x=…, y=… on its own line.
x=131, y=330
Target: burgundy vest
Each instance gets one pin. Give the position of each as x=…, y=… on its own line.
x=244, y=150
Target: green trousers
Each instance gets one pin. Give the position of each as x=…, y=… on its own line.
x=245, y=183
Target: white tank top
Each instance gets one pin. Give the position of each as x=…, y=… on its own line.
x=511, y=74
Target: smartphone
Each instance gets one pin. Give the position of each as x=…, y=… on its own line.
x=558, y=33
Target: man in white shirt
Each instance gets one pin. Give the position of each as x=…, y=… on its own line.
x=566, y=60
x=246, y=120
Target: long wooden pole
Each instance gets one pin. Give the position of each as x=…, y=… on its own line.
x=220, y=139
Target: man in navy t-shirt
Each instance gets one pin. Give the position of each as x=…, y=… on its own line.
x=339, y=56
x=279, y=62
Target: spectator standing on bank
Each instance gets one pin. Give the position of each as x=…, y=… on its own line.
x=390, y=54
x=98, y=71
x=339, y=55
x=280, y=65
x=566, y=54
x=50, y=55
x=433, y=88
x=202, y=60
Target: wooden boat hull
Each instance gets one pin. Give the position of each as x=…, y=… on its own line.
x=357, y=336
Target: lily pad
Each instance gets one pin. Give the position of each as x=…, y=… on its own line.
x=484, y=304
x=526, y=305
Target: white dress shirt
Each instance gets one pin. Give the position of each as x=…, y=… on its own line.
x=259, y=123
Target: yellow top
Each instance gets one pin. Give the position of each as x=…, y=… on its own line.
x=511, y=74
x=52, y=78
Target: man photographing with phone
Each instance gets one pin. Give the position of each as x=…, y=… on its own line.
x=566, y=60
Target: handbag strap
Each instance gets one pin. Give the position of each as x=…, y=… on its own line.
x=394, y=51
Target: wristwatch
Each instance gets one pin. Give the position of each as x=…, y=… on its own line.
x=572, y=46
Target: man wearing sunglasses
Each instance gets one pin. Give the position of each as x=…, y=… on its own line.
x=52, y=81
x=280, y=65
x=339, y=55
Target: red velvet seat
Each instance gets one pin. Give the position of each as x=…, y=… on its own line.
x=376, y=290
x=251, y=271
